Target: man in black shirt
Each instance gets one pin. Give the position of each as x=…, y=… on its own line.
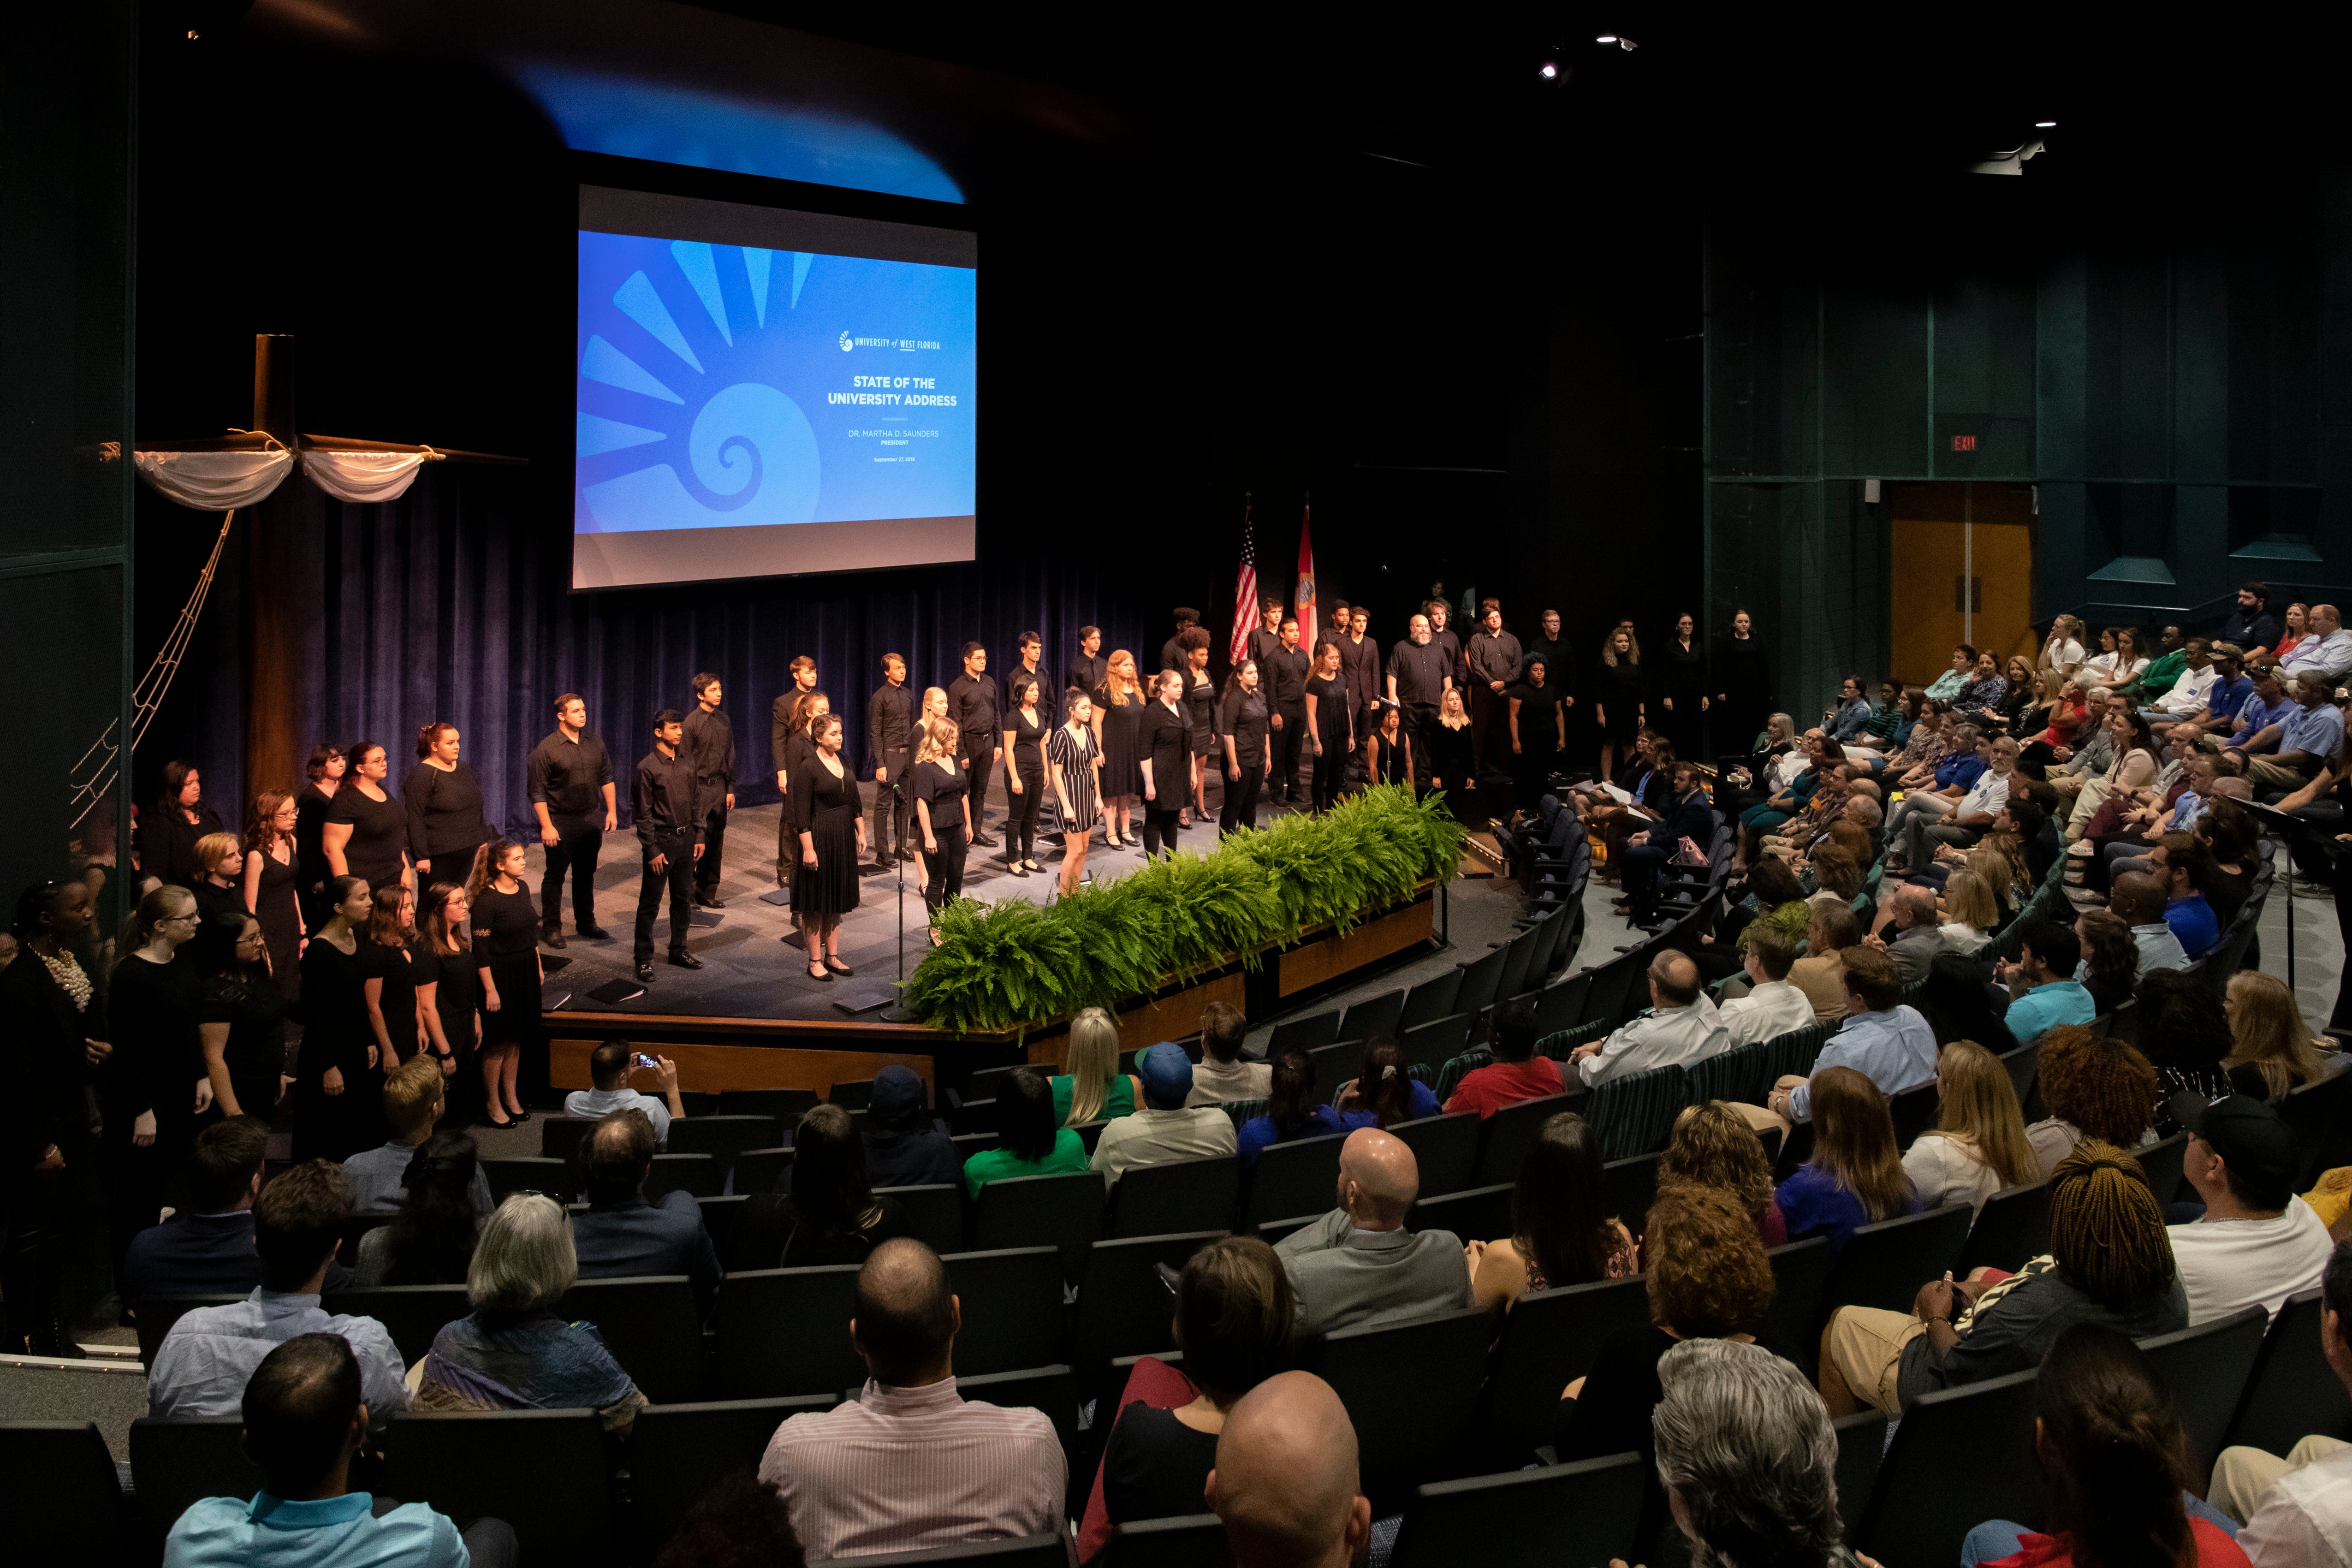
x=567, y=772
x=1335, y=631
x=1445, y=640
x=1491, y=664
x=1172, y=657
x=781, y=712
x=670, y=831
x=890, y=735
x=1282, y=673
x=710, y=752
x=972, y=705
x=1266, y=637
x=1360, y=662
x=1419, y=675
x=1551, y=649
x=2251, y=626
x=1089, y=669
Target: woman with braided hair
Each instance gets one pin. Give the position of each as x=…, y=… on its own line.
x=2109, y=1263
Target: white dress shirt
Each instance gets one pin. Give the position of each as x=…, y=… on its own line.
x=1767, y=1012
x=2305, y=1521
x=1671, y=1037
x=2330, y=655
x=2191, y=694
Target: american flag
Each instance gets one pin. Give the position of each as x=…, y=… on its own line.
x=1245, y=593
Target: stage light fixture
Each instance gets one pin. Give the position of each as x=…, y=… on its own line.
x=1548, y=70
x=2046, y=125
x=1622, y=43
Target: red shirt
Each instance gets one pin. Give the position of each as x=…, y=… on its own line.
x=1490, y=1088
x=2214, y=1549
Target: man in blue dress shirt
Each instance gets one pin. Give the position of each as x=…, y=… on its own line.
x=2308, y=741
x=2042, y=990
x=1887, y=1042
x=304, y=1419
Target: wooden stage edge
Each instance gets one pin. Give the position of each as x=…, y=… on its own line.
x=717, y=1054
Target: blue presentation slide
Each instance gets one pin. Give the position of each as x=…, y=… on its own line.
x=724, y=386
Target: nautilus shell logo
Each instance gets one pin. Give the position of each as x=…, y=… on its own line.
x=846, y=345
x=676, y=429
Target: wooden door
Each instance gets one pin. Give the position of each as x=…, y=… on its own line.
x=1961, y=571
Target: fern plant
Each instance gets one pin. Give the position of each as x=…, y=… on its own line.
x=1014, y=964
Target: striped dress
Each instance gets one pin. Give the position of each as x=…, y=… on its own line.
x=1073, y=758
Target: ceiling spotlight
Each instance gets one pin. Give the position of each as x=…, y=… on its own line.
x=1606, y=38
x=1547, y=71
x=2046, y=125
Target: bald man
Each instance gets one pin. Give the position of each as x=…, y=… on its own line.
x=1359, y=1263
x=1286, y=1483
x=1682, y=1027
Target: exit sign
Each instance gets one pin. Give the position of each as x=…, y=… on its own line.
x=1963, y=443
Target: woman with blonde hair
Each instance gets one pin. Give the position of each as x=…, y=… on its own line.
x=1118, y=731
x=219, y=885
x=1094, y=1088
x=1970, y=912
x=1855, y=1177
x=942, y=816
x=1617, y=686
x=1979, y=1144
x=2270, y=1049
x=1713, y=1146
x=2064, y=651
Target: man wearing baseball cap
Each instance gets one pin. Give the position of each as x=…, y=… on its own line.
x=2257, y=1241
x=1162, y=1130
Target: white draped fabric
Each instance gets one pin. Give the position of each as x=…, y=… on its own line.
x=216, y=481
x=363, y=475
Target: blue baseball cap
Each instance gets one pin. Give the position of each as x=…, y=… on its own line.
x=1167, y=1075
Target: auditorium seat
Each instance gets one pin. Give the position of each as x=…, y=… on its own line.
x=1411, y=1391
x=653, y=1325
x=1914, y=1111
x=967, y=1145
x=1381, y=1015
x=1445, y=1147
x=1184, y=1194
x=762, y=1170
x=974, y=1116
x=1434, y=1043
x=559, y=1136
x=1028, y=1551
x=2318, y=1113
x=1562, y=1006
x=1959, y=1457
x=1320, y=1029
x=1293, y=1178
x=1792, y=1328
x=411, y=1314
x=698, y=1175
x=2024, y=1065
x=1012, y=1300
x=1335, y=1064
x=1548, y=1340
x=1862, y=1449
x=180, y=1462
x=1124, y=1309
x=543, y=1471
x=2291, y=1391
x=1482, y=981
x=1629, y=1186
x=61, y=1497
x=856, y=1096
x=1735, y=1075
x=1519, y=956
x=987, y=1083
x=2013, y=1225
x=936, y=1212
x=786, y=1105
x=2207, y=1368
x=2161, y=1162
x=784, y=1331
x=1430, y=1000
x=1050, y=1389
x=723, y=1138
x=1090, y=1132
x=719, y=1219
x=158, y=1313
x=1635, y=1114
x=1510, y=1133
x=1613, y=985
x=679, y=1451
x=355, y=1229
x=1275, y=1232
x=531, y=1173
x=1187, y=1541
x=1041, y=1211
x=1475, y=1214
x=1884, y=1264
x=1584, y=1513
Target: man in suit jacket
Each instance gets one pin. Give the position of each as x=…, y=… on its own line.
x=1917, y=939
x=1359, y=1263
x=622, y=1233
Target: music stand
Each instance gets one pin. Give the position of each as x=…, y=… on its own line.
x=2289, y=828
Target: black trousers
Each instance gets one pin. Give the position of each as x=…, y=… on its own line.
x=977, y=750
x=1490, y=723
x=578, y=841
x=1287, y=742
x=677, y=875
x=894, y=805
x=1420, y=723
x=946, y=867
x=1020, y=814
x=1331, y=775
x=714, y=838
x=1159, y=824
x=1240, y=808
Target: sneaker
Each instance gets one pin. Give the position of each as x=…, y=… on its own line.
x=2304, y=890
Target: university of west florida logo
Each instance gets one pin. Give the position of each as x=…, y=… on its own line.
x=845, y=344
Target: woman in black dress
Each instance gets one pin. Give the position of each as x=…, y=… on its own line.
x=1201, y=703
x=338, y=1067
x=1165, y=740
x=942, y=813
x=1118, y=728
x=813, y=707
x=392, y=980
x=240, y=1017
x=1023, y=740
x=507, y=968
x=1539, y=731
x=1076, y=760
x=1331, y=726
x=168, y=833
x=155, y=1079
x=1243, y=725
x=1681, y=694
x=311, y=872
x=366, y=834
x=832, y=830
x=1388, y=751
x=220, y=891
x=444, y=805
x=448, y=996
x=270, y=879
x=1617, y=696
x=1743, y=687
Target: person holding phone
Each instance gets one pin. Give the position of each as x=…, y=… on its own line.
x=610, y=1066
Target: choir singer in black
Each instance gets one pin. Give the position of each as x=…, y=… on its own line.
x=710, y=752
x=1492, y=660
x=971, y=703
x=1420, y=674
x=567, y=772
x=669, y=832
x=890, y=735
x=1283, y=673
x=1242, y=731
x=1089, y=669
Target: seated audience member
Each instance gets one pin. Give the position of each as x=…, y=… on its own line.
x=1854, y=1176
x=833, y=1214
x=1561, y=1233
x=1918, y=933
x=1747, y=1457
x=2228, y=830
x=1359, y=1263
x=2298, y=1510
x=206, y=1248
x=1708, y=1279
x=1385, y=1093
x=2271, y=1050
x=2185, y=1037
x=431, y=1240
x=2095, y=1088
x=1222, y=1075
x=1516, y=1073
x=1966, y=914
x=2138, y=902
x=2256, y=1241
x=910, y=1463
x=306, y=1417
x=2110, y=966
x=1820, y=973
x=2183, y=867
x=1286, y=1485
x=1978, y=1145
x=1234, y=1308
x=1690, y=816
x=1165, y=1129
x=2110, y=1263
x=1772, y=1006
x=1030, y=1141
x=298, y=1222
x=609, y=1066
x=2309, y=740
x=1971, y=812
x=2042, y=990
x=1682, y=1027
x=2109, y=1445
x=1887, y=1042
x=1291, y=1111
x=623, y=1233
x=1712, y=1146
x=413, y=1103
x=740, y=1522
x=1958, y=1006
x=512, y=1351
x=1094, y=1089
x=905, y=1147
